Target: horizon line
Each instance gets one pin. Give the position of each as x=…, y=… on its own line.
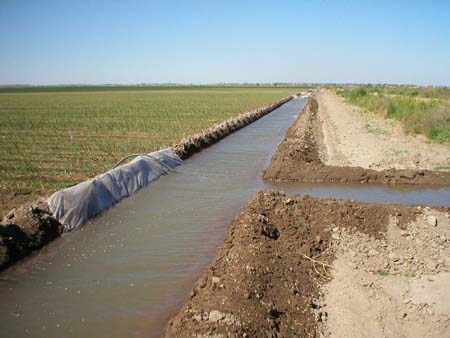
x=181, y=84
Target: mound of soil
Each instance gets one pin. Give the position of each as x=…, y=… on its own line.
x=193, y=144
x=301, y=157
x=265, y=280
x=26, y=229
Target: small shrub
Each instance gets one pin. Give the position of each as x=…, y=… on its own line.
x=409, y=274
x=361, y=92
x=382, y=272
x=393, y=111
x=439, y=133
x=355, y=95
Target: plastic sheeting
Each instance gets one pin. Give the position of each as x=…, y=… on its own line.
x=76, y=205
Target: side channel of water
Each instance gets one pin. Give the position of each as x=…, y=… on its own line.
x=125, y=274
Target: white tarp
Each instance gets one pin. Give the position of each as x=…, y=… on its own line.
x=76, y=205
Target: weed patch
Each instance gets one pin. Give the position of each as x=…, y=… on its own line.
x=420, y=110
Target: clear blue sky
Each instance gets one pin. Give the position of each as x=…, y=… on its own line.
x=211, y=41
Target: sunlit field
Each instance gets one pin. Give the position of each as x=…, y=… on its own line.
x=56, y=137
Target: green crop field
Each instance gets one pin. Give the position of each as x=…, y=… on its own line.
x=421, y=110
x=51, y=138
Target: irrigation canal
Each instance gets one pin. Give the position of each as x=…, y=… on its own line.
x=127, y=272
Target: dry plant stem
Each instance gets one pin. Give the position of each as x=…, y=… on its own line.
x=320, y=263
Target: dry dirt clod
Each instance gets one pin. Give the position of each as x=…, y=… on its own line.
x=26, y=229
x=432, y=220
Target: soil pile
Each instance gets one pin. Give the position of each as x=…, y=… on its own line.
x=303, y=154
x=265, y=280
x=26, y=229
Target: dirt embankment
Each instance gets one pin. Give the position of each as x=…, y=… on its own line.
x=26, y=229
x=304, y=156
x=267, y=278
x=195, y=143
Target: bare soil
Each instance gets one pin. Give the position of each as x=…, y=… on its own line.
x=267, y=277
x=25, y=230
x=310, y=153
x=395, y=286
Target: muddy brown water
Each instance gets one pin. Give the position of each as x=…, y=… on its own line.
x=127, y=272
x=401, y=194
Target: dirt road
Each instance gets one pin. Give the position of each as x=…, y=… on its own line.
x=314, y=151
x=356, y=138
